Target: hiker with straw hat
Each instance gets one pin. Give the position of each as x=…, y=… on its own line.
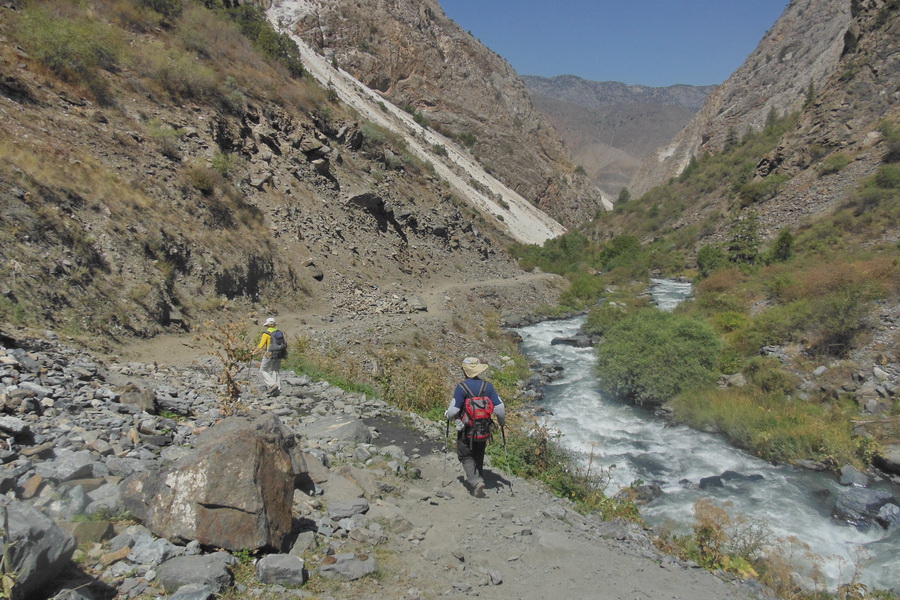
x=469, y=449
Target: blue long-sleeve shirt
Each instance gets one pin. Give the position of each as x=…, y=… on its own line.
x=459, y=399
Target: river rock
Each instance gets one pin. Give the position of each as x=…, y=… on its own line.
x=578, y=341
x=889, y=459
x=853, y=477
x=860, y=506
x=235, y=491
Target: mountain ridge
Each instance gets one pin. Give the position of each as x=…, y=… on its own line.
x=610, y=127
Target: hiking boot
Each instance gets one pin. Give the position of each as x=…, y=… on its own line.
x=479, y=490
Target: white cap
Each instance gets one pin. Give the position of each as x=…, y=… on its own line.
x=270, y=321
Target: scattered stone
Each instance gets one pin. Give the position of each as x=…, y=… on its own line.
x=282, y=569
x=208, y=571
x=347, y=566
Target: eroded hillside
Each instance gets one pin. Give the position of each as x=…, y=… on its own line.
x=157, y=165
x=415, y=56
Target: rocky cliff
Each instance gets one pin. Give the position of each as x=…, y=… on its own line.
x=802, y=49
x=412, y=54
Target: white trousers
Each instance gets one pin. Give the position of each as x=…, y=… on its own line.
x=270, y=368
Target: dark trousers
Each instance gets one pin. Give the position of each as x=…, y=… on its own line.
x=472, y=458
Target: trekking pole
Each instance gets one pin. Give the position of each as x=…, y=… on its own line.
x=506, y=454
x=444, y=458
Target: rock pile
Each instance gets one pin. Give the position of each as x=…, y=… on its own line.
x=86, y=445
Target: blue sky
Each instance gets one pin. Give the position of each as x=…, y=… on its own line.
x=648, y=42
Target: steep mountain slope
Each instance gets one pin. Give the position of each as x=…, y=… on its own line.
x=412, y=54
x=801, y=50
x=609, y=127
x=836, y=104
x=159, y=166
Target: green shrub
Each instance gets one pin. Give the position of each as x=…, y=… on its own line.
x=181, y=74
x=769, y=376
x=652, y=356
x=757, y=191
x=74, y=48
x=277, y=46
x=782, y=248
x=833, y=164
x=890, y=133
x=170, y=9
x=584, y=289
x=839, y=317
x=709, y=258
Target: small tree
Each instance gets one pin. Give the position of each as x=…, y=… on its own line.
x=782, y=248
x=624, y=197
x=743, y=248
x=709, y=258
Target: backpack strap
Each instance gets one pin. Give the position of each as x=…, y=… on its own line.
x=469, y=392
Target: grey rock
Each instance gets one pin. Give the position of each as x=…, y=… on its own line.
x=889, y=459
x=153, y=551
x=208, y=570
x=860, y=506
x=13, y=425
x=853, y=477
x=39, y=549
x=306, y=540
x=73, y=594
x=338, y=427
x=281, y=569
x=347, y=567
x=193, y=591
x=342, y=510
x=888, y=516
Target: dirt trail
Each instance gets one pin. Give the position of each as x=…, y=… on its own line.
x=521, y=542
x=317, y=319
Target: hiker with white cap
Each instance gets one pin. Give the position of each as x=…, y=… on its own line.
x=475, y=402
x=274, y=348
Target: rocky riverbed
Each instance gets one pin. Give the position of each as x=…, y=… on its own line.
x=126, y=480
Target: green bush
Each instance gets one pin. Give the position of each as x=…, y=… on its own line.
x=838, y=318
x=652, y=356
x=584, y=289
x=277, y=46
x=74, y=48
x=757, y=191
x=709, y=258
x=181, y=74
x=833, y=164
x=769, y=376
x=890, y=133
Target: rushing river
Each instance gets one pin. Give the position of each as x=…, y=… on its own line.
x=789, y=501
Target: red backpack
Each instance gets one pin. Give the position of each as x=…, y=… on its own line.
x=478, y=411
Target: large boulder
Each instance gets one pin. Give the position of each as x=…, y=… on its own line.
x=234, y=491
x=39, y=550
x=860, y=506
